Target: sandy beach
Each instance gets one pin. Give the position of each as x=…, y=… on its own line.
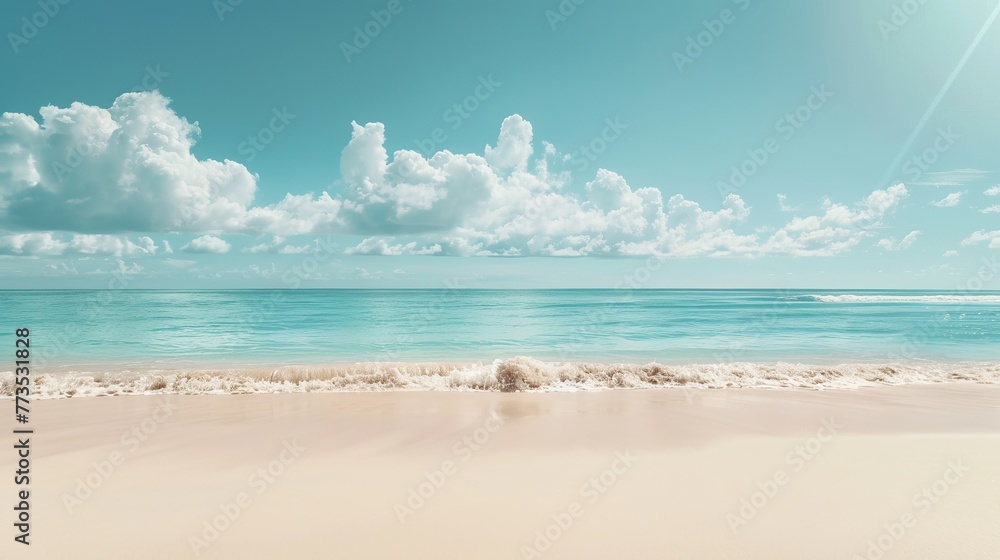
x=886, y=472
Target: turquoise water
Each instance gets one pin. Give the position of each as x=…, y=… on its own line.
x=72, y=330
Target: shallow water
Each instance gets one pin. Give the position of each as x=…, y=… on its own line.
x=122, y=329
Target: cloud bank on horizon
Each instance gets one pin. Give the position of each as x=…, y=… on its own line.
x=84, y=179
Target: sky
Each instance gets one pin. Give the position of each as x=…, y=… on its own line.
x=523, y=144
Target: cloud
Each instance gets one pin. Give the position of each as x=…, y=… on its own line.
x=62, y=269
x=991, y=209
x=207, y=244
x=126, y=168
x=839, y=229
x=948, y=201
x=382, y=247
x=139, y=175
x=31, y=244
x=953, y=178
x=374, y=246
x=266, y=247
x=124, y=269
x=121, y=269
x=889, y=244
x=782, y=203
x=530, y=211
x=434, y=249
x=255, y=270
x=909, y=239
x=991, y=237
x=49, y=244
x=992, y=191
x=276, y=245
x=950, y=253
x=410, y=194
x=293, y=215
x=297, y=250
x=513, y=146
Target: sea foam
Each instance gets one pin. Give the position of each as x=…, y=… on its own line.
x=856, y=298
x=513, y=374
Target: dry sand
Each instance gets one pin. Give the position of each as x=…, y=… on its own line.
x=342, y=467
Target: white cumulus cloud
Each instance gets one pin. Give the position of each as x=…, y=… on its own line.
x=376, y=246
x=125, y=168
x=889, y=244
x=783, y=204
x=990, y=237
x=948, y=201
x=207, y=244
x=138, y=174
x=49, y=244
x=839, y=228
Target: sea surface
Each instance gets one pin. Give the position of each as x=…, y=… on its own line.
x=299, y=335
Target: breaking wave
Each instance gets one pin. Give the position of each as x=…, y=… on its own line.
x=853, y=298
x=514, y=374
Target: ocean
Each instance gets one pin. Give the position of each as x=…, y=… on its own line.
x=465, y=337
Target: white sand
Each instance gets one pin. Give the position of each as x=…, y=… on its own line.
x=696, y=459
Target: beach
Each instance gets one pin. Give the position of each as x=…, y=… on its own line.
x=526, y=280
x=879, y=472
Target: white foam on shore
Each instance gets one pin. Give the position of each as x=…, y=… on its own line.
x=944, y=298
x=514, y=374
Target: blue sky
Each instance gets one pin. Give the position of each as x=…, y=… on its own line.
x=533, y=143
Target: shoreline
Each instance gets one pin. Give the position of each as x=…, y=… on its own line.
x=517, y=374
